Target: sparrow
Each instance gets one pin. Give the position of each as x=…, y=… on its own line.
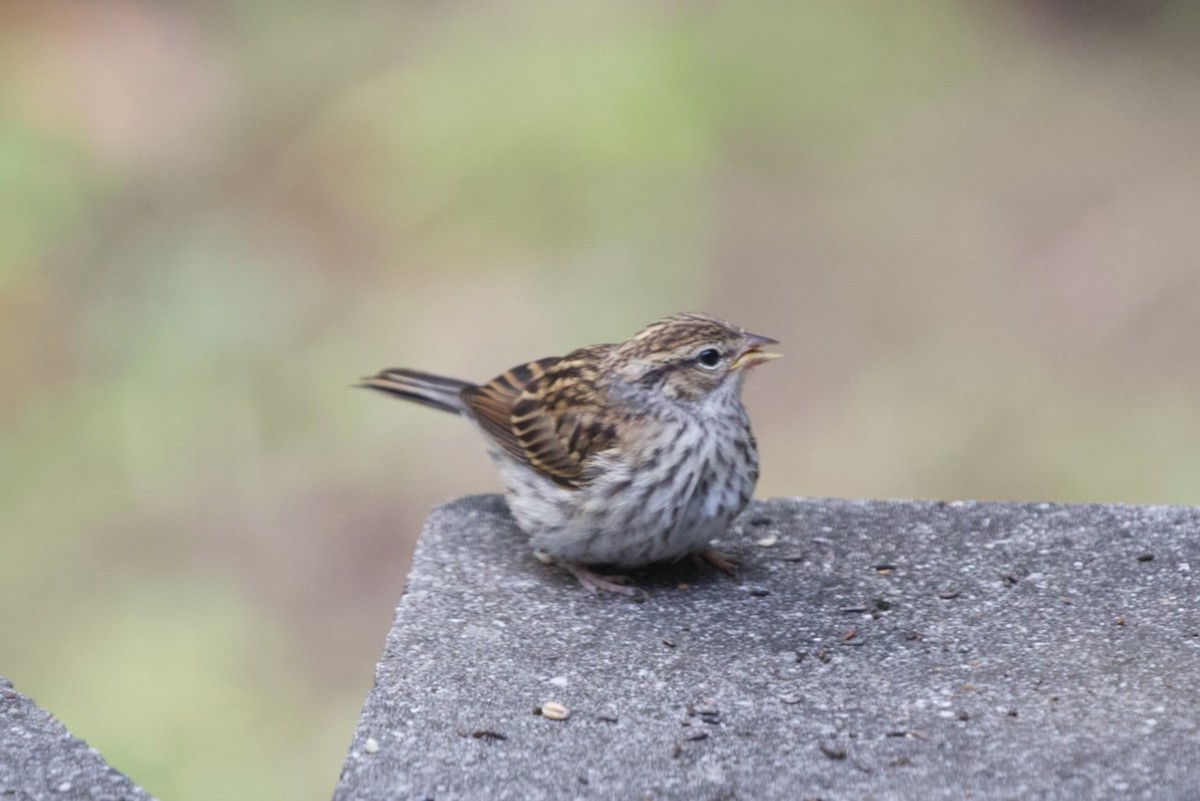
x=619, y=454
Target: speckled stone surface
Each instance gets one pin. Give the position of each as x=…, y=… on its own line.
x=867, y=650
x=39, y=759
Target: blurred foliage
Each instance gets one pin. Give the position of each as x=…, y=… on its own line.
x=972, y=225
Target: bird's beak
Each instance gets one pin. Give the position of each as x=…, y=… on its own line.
x=752, y=354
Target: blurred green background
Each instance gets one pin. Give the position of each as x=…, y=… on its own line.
x=974, y=226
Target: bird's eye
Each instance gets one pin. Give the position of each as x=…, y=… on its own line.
x=709, y=357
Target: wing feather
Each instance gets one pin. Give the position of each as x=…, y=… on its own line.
x=548, y=414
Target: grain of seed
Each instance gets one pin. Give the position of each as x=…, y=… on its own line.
x=555, y=711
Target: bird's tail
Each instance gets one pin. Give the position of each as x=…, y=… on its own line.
x=425, y=388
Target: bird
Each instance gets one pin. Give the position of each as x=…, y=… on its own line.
x=618, y=455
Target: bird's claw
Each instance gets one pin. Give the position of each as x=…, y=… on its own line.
x=594, y=582
x=726, y=563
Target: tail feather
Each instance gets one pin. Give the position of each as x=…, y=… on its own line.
x=424, y=388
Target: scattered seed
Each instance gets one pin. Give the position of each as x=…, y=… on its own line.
x=543, y=557
x=760, y=520
x=371, y=746
x=667, y=641
x=914, y=636
x=909, y=734
x=1120, y=621
x=696, y=736
x=854, y=610
x=1146, y=557
x=833, y=751
x=1008, y=578
x=793, y=698
x=963, y=715
x=488, y=734
x=553, y=710
x=949, y=595
x=683, y=585
x=768, y=541
x=607, y=717
x=759, y=592
x=884, y=570
x=707, y=711
x=849, y=635
x=881, y=604
x=823, y=655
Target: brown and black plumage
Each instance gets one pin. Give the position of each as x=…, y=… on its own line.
x=618, y=454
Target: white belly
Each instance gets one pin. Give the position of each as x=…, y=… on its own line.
x=635, y=514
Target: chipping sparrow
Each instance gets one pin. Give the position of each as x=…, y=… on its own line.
x=617, y=454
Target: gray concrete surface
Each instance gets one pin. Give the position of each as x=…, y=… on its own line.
x=867, y=650
x=40, y=759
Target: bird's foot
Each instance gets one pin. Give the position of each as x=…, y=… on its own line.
x=594, y=582
x=726, y=563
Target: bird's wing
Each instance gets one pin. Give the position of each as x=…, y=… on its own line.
x=547, y=415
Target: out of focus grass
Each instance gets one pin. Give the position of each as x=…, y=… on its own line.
x=973, y=228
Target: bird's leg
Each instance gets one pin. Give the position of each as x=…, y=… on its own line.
x=726, y=563
x=594, y=582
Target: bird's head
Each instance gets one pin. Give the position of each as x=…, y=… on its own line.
x=690, y=356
